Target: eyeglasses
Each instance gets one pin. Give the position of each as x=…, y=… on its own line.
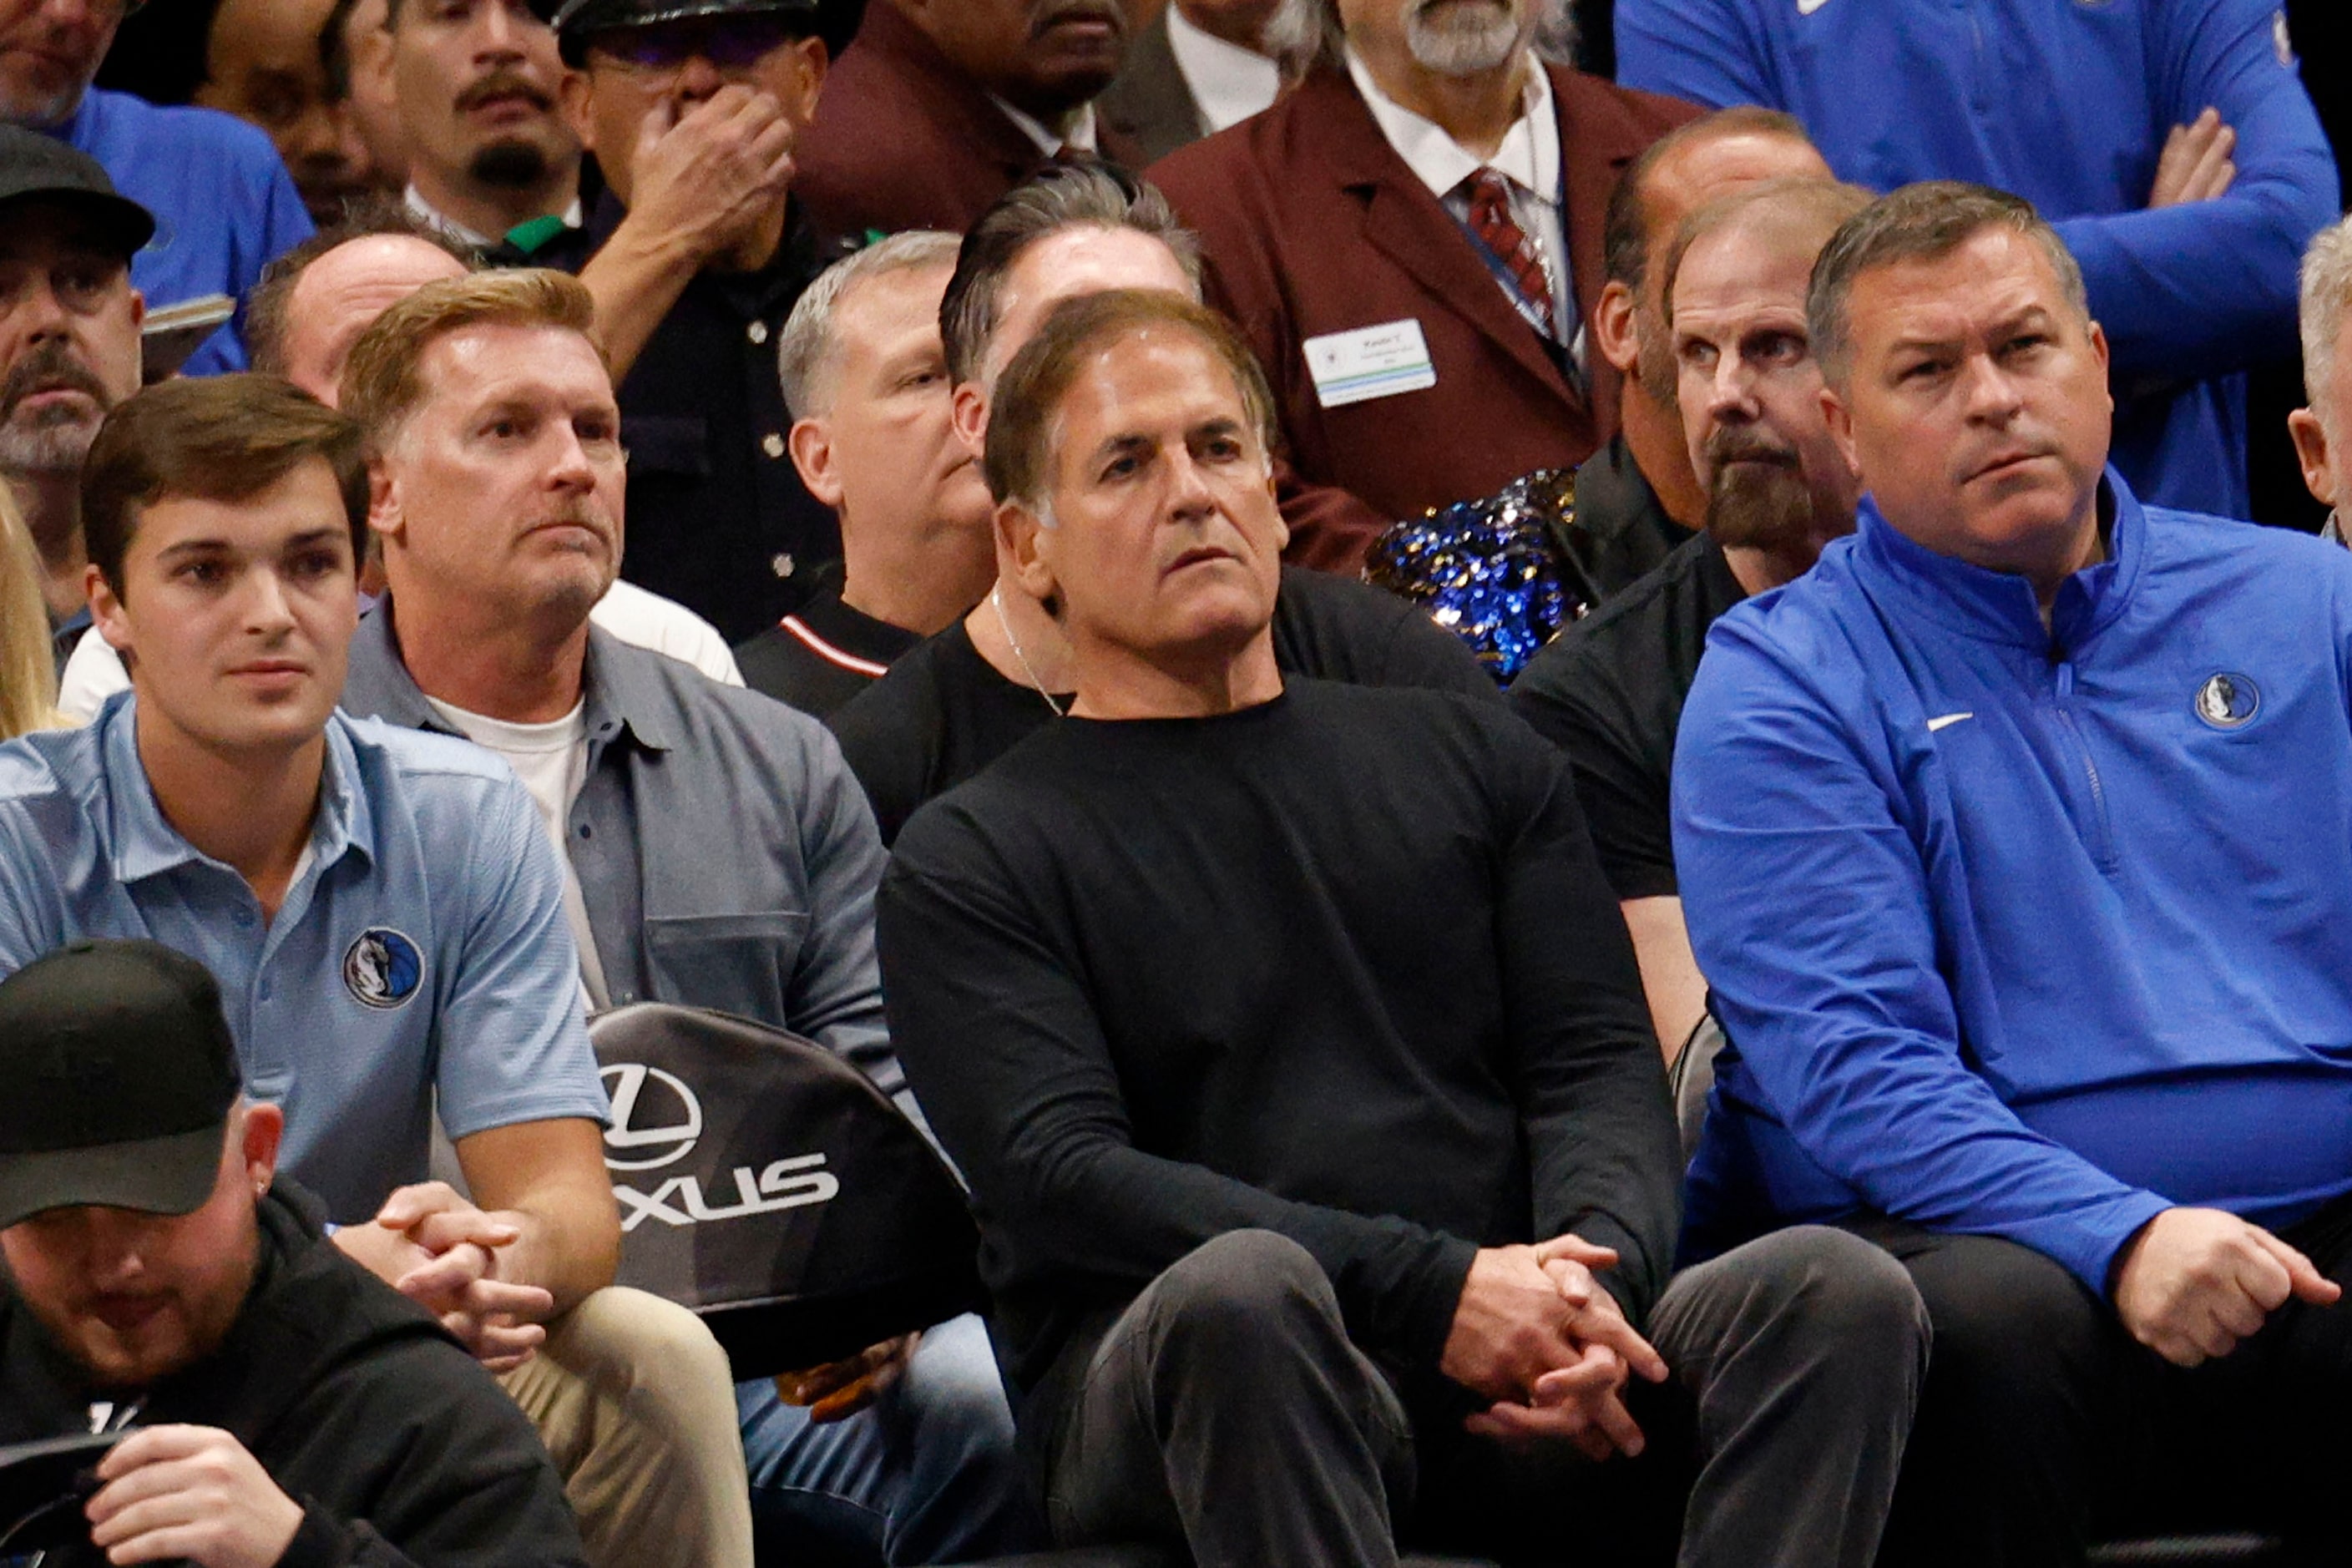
x=729, y=43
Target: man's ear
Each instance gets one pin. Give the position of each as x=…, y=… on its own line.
x=1025, y=544
x=1840, y=420
x=138, y=309
x=384, y=515
x=1612, y=327
x=968, y=412
x=2099, y=347
x=571, y=99
x=106, y=609
x=2311, y=454
x=811, y=443
x=810, y=63
x=265, y=1128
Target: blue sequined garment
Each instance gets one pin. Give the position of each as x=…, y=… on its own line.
x=1490, y=571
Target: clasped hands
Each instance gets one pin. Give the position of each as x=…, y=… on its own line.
x=1539, y=1335
x=444, y=1254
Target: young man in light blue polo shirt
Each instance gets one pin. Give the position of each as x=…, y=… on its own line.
x=384, y=915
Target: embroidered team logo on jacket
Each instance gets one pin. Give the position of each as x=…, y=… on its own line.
x=382, y=968
x=2228, y=701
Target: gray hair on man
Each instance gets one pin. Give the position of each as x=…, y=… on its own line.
x=1304, y=33
x=807, y=353
x=2327, y=292
x=1923, y=222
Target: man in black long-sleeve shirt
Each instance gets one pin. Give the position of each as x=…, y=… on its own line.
x=1294, y=1048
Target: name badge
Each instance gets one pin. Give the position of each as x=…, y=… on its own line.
x=1368, y=363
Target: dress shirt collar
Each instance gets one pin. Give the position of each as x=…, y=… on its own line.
x=1528, y=157
x=1229, y=83
x=1085, y=132
x=145, y=845
x=448, y=224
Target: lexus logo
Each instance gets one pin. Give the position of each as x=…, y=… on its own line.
x=655, y=1117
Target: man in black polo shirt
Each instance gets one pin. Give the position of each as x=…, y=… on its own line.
x=1611, y=691
x=958, y=701
x=865, y=378
x=695, y=255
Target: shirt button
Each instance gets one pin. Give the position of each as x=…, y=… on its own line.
x=772, y=443
x=757, y=331
x=783, y=566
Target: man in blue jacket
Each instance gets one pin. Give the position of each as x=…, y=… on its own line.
x=2016, y=844
x=2188, y=242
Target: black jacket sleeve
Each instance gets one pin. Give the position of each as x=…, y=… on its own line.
x=1002, y=1045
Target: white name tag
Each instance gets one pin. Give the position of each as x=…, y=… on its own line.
x=1368, y=363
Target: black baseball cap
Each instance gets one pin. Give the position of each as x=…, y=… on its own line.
x=121, y=1077
x=835, y=21
x=35, y=166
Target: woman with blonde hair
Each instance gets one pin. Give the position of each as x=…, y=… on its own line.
x=28, y=671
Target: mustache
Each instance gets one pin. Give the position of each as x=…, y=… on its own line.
x=1736, y=446
x=48, y=369
x=504, y=84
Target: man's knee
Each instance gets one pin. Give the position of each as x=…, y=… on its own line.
x=2003, y=1309
x=1843, y=1288
x=1241, y=1299
x=627, y=1343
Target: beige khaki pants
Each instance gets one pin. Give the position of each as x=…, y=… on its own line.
x=634, y=1399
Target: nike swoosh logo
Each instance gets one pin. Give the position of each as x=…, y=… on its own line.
x=1936, y=723
x=1807, y=7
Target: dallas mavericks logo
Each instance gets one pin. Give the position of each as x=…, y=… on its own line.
x=2228, y=701
x=383, y=968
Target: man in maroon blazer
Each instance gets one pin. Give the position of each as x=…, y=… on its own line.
x=1412, y=242
x=942, y=106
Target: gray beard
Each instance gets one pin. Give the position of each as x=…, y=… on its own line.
x=1467, y=46
x=50, y=446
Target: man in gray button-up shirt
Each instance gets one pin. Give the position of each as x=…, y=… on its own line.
x=717, y=851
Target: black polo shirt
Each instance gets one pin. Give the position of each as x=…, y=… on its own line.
x=1609, y=693
x=1623, y=532
x=823, y=654
x=718, y=517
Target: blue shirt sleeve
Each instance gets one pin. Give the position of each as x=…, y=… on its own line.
x=1705, y=50
x=272, y=221
x=510, y=1039
x=2209, y=287
x=835, y=995
x=1810, y=914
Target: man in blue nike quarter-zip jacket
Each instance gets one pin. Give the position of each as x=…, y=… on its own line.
x=2016, y=845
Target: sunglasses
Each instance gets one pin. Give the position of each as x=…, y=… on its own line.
x=731, y=43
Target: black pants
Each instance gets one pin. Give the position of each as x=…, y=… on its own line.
x=2045, y=1426
x=1226, y=1409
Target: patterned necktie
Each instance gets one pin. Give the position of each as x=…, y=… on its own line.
x=1500, y=232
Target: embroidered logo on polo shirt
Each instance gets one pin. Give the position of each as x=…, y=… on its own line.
x=2228, y=701
x=382, y=968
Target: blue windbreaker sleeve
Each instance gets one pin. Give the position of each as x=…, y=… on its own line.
x=2208, y=288
x=1811, y=913
x=1704, y=50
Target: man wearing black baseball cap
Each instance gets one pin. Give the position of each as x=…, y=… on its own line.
x=288, y=1407
x=696, y=254
x=68, y=343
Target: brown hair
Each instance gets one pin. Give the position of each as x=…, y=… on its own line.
x=1923, y=222
x=1024, y=427
x=381, y=386
x=29, y=669
x=221, y=438
x=1804, y=211
x=269, y=309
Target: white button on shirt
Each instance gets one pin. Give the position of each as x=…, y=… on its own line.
x=1528, y=160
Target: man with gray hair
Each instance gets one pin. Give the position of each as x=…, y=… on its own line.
x=965, y=697
x=1412, y=241
x=2015, y=842
x=2321, y=441
x=865, y=376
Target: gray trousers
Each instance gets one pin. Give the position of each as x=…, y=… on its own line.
x=1227, y=1410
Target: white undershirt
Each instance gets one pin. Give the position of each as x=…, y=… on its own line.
x=551, y=760
x=443, y=221
x=1084, y=131
x=1228, y=82
x=1528, y=160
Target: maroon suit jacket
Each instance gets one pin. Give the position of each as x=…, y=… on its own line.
x=1312, y=223
x=904, y=140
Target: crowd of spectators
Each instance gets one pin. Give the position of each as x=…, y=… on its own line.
x=986, y=535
